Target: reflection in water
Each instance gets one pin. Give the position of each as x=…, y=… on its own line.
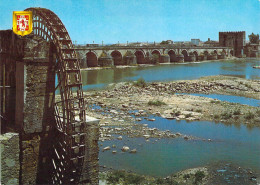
x=169, y=72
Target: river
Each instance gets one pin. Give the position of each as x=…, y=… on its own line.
x=233, y=143
x=94, y=79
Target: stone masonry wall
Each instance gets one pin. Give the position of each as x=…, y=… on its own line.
x=39, y=84
x=10, y=165
x=90, y=173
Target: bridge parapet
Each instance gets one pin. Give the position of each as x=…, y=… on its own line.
x=92, y=56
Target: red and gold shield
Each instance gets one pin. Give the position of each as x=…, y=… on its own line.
x=22, y=22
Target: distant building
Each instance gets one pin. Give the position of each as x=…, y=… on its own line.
x=195, y=42
x=169, y=41
x=252, y=50
x=211, y=43
x=92, y=45
x=237, y=40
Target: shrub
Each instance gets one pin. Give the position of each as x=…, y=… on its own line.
x=114, y=177
x=159, y=181
x=140, y=83
x=249, y=115
x=215, y=101
x=186, y=176
x=188, y=115
x=199, y=175
x=248, y=86
x=226, y=115
x=177, y=113
x=237, y=112
x=134, y=179
x=216, y=116
x=156, y=103
x=199, y=110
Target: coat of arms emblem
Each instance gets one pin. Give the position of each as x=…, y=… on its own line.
x=22, y=22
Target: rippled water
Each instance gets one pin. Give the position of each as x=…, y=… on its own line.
x=234, y=143
x=167, y=72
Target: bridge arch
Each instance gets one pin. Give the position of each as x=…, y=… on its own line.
x=206, y=53
x=92, y=59
x=185, y=54
x=117, y=57
x=172, y=55
x=140, y=57
x=215, y=52
x=156, y=56
x=231, y=52
x=156, y=51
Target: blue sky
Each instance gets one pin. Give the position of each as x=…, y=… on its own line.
x=144, y=20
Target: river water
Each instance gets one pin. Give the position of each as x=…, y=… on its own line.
x=93, y=79
x=232, y=143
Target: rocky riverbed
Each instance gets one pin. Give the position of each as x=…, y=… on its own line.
x=122, y=106
x=120, y=100
x=214, y=174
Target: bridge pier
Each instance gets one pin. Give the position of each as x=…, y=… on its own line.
x=165, y=58
x=130, y=60
x=106, y=61
x=179, y=58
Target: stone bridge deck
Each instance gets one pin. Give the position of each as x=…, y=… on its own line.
x=130, y=55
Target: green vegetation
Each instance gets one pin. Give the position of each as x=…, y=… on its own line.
x=198, y=110
x=177, y=113
x=156, y=103
x=254, y=39
x=215, y=101
x=237, y=112
x=199, y=175
x=216, y=116
x=140, y=83
x=226, y=115
x=186, y=176
x=115, y=176
x=248, y=86
x=188, y=115
x=133, y=179
x=249, y=115
x=119, y=177
x=164, y=42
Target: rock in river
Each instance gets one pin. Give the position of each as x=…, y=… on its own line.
x=125, y=148
x=106, y=148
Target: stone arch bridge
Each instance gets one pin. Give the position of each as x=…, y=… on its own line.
x=130, y=55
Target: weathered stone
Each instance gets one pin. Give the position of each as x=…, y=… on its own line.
x=125, y=148
x=10, y=152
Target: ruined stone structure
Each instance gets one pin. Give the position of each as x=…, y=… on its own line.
x=132, y=55
x=236, y=40
x=252, y=50
x=57, y=142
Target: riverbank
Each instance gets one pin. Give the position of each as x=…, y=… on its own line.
x=213, y=174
